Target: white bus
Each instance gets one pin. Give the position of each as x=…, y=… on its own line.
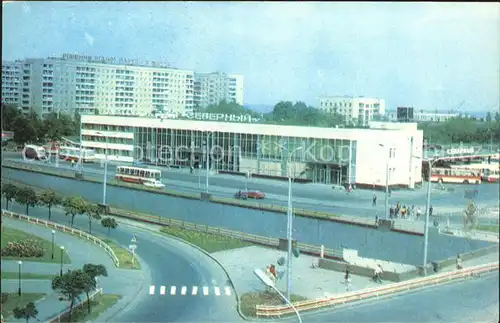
x=456, y=174
x=74, y=153
x=139, y=175
x=489, y=172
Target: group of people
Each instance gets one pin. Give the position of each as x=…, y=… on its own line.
x=406, y=212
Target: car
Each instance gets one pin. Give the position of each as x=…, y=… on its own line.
x=154, y=184
x=255, y=194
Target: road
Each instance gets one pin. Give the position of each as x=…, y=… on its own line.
x=472, y=300
x=313, y=196
x=170, y=263
x=390, y=246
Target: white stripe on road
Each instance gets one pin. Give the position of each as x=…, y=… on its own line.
x=205, y=291
x=217, y=291
x=183, y=290
x=151, y=290
x=162, y=290
x=195, y=290
x=228, y=291
x=172, y=290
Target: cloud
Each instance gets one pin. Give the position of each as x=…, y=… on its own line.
x=89, y=39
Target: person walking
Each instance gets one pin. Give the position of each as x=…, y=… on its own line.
x=459, y=262
x=347, y=278
x=374, y=200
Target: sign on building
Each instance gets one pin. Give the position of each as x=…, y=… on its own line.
x=220, y=117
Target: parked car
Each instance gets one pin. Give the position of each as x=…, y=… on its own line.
x=154, y=183
x=254, y=194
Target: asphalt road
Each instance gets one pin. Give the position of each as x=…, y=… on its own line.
x=171, y=263
x=472, y=300
x=313, y=196
x=390, y=246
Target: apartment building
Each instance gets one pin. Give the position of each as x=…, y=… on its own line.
x=111, y=86
x=11, y=82
x=359, y=110
x=211, y=88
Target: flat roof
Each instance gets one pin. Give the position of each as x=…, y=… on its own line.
x=247, y=128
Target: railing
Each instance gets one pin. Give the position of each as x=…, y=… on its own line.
x=269, y=241
x=64, y=228
x=280, y=310
x=79, y=303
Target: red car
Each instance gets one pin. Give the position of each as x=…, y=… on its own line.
x=258, y=195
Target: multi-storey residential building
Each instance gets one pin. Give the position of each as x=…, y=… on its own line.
x=211, y=88
x=11, y=82
x=74, y=83
x=358, y=110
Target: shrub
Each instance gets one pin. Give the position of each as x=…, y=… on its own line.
x=24, y=248
x=5, y=296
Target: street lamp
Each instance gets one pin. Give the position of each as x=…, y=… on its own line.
x=53, y=240
x=268, y=282
x=105, y=180
x=62, y=251
x=386, y=182
x=207, y=163
x=20, y=263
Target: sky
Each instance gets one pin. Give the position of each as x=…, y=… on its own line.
x=428, y=55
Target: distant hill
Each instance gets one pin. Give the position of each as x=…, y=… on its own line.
x=260, y=108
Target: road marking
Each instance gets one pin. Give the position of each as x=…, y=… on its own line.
x=162, y=290
x=205, y=291
x=172, y=290
x=195, y=290
x=151, y=290
x=217, y=291
x=228, y=291
x=183, y=290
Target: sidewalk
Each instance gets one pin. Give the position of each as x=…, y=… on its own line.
x=119, y=281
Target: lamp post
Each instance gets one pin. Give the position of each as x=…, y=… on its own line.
x=289, y=227
x=199, y=175
x=386, y=182
x=62, y=251
x=427, y=206
x=207, y=162
x=53, y=240
x=105, y=179
x=19, y=290
x=269, y=283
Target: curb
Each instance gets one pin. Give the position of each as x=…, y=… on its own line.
x=202, y=251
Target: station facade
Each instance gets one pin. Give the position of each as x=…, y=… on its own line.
x=322, y=155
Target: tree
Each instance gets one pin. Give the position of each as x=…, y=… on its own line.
x=72, y=284
x=49, y=199
x=497, y=116
x=93, y=212
x=93, y=271
x=9, y=113
x=109, y=223
x=26, y=196
x=27, y=312
x=488, y=117
x=9, y=192
x=24, y=131
x=74, y=205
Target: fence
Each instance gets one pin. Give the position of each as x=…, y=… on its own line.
x=262, y=240
x=280, y=310
x=64, y=228
x=79, y=303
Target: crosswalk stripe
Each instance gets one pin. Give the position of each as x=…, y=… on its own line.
x=151, y=290
x=195, y=290
x=228, y=291
x=173, y=290
x=205, y=291
x=183, y=290
x=217, y=291
x=162, y=290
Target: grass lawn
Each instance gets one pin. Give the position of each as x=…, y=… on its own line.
x=14, y=300
x=97, y=306
x=208, y=242
x=490, y=228
x=123, y=255
x=15, y=275
x=249, y=301
x=12, y=235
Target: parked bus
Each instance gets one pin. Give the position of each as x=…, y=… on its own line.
x=456, y=175
x=74, y=153
x=489, y=172
x=139, y=175
x=34, y=152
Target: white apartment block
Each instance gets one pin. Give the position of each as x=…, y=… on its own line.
x=211, y=88
x=11, y=82
x=358, y=110
x=84, y=84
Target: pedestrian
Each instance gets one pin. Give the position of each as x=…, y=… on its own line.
x=430, y=211
x=418, y=212
x=376, y=220
x=347, y=278
x=403, y=212
x=459, y=263
x=391, y=212
x=374, y=200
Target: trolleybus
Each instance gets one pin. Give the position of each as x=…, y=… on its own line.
x=74, y=153
x=457, y=174
x=139, y=175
